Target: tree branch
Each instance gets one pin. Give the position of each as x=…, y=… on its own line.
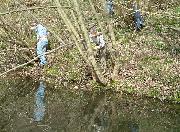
x=19, y=49
x=32, y=8
x=32, y=60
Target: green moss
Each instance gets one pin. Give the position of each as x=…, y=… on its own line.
x=154, y=92
x=158, y=28
x=177, y=10
x=172, y=80
x=2, y=46
x=168, y=61
x=113, y=84
x=129, y=89
x=52, y=71
x=150, y=58
x=73, y=75
x=96, y=86
x=175, y=97
x=68, y=56
x=177, y=100
x=160, y=45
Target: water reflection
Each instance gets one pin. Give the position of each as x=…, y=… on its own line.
x=101, y=122
x=99, y=126
x=134, y=127
x=39, y=100
x=80, y=111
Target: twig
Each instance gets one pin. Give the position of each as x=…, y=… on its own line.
x=32, y=60
x=32, y=8
x=18, y=49
x=175, y=29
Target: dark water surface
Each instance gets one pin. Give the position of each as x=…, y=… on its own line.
x=36, y=106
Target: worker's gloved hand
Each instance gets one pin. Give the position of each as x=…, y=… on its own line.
x=98, y=47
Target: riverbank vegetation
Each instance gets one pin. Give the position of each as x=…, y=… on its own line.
x=142, y=63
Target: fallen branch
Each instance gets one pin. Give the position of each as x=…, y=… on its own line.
x=18, y=49
x=32, y=8
x=32, y=60
x=172, y=28
x=175, y=29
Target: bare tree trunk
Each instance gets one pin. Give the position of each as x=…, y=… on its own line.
x=103, y=51
x=71, y=29
x=115, y=56
x=90, y=58
x=97, y=71
x=112, y=47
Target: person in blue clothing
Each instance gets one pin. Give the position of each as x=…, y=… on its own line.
x=39, y=102
x=109, y=7
x=42, y=41
x=138, y=19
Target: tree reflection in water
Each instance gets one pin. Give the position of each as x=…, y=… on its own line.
x=133, y=127
x=70, y=110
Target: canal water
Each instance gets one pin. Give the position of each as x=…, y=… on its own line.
x=28, y=105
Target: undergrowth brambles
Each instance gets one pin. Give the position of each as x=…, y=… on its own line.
x=146, y=61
